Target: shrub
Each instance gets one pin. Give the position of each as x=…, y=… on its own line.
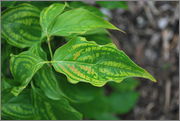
x=53, y=80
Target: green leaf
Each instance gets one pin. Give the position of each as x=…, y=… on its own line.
x=17, y=107
x=100, y=39
x=85, y=61
x=5, y=53
x=96, y=31
x=33, y=105
x=127, y=85
x=8, y=4
x=122, y=103
x=48, y=16
x=48, y=109
x=113, y=4
x=79, y=4
x=6, y=50
x=23, y=67
x=20, y=25
x=6, y=83
x=38, y=51
x=78, y=21
x=46, y=80
x=94, y=108
x=39, y=4
x=107, y=116
x=78, y=93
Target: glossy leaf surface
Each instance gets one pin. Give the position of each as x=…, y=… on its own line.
x=85, y=61
x=79, y=4
x=20, y=25
x=48, y=16
x=100, y=39
x=78, y=21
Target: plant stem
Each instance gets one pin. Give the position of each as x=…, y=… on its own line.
x=49, y=46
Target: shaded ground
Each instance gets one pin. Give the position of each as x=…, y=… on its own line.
x=152, y=42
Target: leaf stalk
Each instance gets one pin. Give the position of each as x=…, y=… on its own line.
x=49, y=46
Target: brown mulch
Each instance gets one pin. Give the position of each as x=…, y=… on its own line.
x=151, y=40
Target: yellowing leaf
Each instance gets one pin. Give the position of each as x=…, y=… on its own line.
x=85, y=61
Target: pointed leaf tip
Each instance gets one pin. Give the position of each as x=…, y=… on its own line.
x=86, y=61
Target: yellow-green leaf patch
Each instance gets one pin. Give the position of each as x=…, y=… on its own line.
x=84, y=61
x=20, y=25
x=23, y=67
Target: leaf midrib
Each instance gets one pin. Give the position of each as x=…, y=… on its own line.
x=91, y=64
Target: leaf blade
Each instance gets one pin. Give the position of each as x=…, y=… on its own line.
x=31, y=104
x=128, y=84
x=113, y=4
x=23, y=67
x=123, y=102
x=95, y=108
x=17, y=107
x=79, y=93
x=46, y=80
x=78, y=21
x=20, y=25
x=96, y=64
x=48, y=15
x=53, y=109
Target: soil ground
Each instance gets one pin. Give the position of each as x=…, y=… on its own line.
x=151, y=40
